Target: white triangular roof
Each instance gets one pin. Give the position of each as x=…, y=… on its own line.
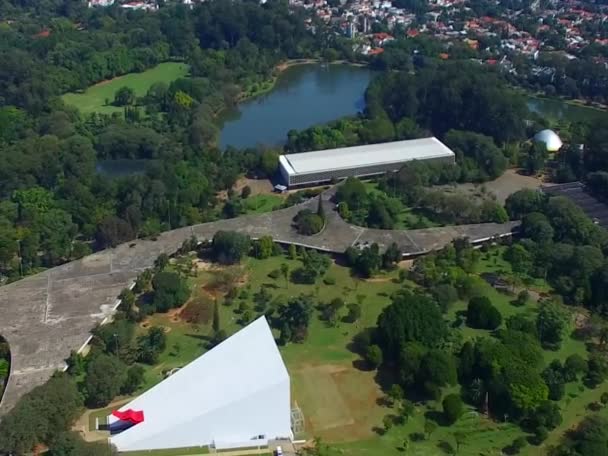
x=236, y=374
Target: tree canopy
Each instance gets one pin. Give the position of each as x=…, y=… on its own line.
x=409, y=318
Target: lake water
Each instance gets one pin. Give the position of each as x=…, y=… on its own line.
x=558, y=110
x=303, y=96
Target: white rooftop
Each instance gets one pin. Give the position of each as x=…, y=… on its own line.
x=367, y=155
x=235, y=392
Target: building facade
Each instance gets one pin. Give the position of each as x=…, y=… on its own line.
x=312, y=168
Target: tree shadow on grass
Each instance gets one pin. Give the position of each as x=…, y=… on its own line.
x=385, y=378
x=362, y=365
x=383, y=401
x=201, y=337
x=379, y=430
x=446, y=447
x=436, y=416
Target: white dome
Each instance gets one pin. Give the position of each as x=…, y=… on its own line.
x=550, y=138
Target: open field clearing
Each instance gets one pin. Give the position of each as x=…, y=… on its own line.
x=96, y=97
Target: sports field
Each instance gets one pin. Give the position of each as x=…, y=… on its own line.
x=94, y=98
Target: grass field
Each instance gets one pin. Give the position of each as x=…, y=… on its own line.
x=94, y=98
x=258, y=204
x=341, y=401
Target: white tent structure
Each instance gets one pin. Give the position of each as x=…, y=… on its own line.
x=236, y=395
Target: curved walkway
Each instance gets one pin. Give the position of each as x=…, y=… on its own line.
x=46, y=316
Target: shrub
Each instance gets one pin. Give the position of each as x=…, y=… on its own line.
x=417, y=436
x=594, y=406
x=481, y=314
x=308, y=223
x=445, y=295
x=540, y=435
x=362, y=341
x=354, y=313
x=329, y=281
x=515, y=448
x=522, y=298
x=452, y=408
x=373, y=355
x=246, y=192
x=574, y=366
x=229, y=247
x=519, y=443
x=305, y=276
x=274, y=274
x=170, y=291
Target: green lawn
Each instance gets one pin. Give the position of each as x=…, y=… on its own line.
x=259, y=204
x=94, y=98
x=483, y=437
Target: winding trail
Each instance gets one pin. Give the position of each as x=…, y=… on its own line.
x=48, y=315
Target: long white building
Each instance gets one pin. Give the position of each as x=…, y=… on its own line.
x=236, y=395
x=309, y=168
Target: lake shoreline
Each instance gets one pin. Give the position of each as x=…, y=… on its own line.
x=596, y=108
x=280, y=68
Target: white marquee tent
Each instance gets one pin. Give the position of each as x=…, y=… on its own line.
x=236, y=395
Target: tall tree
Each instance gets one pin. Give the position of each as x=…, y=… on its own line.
x=104, y=378
x=410, y=318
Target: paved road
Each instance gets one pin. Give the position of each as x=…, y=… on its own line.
x=46, y=316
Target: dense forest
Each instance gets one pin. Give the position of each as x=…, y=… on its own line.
x=54, y=205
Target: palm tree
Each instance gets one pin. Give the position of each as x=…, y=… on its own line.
x=477, y=391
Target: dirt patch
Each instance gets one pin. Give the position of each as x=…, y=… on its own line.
x=339, y=402
x=203, y=265
x=176, y=312
x=405, y=264
x=257, y=186
x=510, y=182
x=198, y=311
x=224, y=280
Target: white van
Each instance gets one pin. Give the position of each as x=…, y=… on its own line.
x=278, y=451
